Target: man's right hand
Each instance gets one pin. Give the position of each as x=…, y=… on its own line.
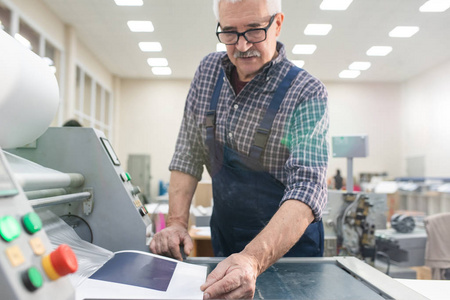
x=167, y=242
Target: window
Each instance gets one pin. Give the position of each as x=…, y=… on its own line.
x=53, y=58
x=5, y=18
x=28, y=37
x=94, y=104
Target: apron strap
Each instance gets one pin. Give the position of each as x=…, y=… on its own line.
x=263, y=131
x=211, y=115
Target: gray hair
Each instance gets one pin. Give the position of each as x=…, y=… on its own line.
x=273, y=6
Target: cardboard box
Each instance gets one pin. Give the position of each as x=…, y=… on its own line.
x=203, y=194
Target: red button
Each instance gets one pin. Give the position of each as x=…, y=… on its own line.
x=64, y=260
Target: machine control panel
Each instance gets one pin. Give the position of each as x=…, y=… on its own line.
x=29, y=268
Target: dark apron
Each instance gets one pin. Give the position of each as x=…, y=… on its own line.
x=245, y=195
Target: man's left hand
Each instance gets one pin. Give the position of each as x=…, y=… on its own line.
x=233, y=278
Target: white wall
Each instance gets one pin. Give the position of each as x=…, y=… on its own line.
x=426, y=120
x=150, y=117
x=372, y=109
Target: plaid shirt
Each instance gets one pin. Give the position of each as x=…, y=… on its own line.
x=297, y=150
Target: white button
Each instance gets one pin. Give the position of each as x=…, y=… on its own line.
x=236, y=106
x=230, y=135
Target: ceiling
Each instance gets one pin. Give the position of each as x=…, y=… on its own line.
x=185, y=28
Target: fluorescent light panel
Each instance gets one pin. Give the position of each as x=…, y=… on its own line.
x=359, y=65
x=299, y=63
x=129, y=2
x=161, y=71
x=404, y=31
x=379, y=51
x=335, y=4
x=157, y=62
x=150, y=46
x=304, y=49
x=141, y=26
x=317, y=29
x=349, y=74
x=435, y=6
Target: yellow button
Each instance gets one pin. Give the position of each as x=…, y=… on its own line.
x=49, y=269
x=37, y=246
x=15, y=255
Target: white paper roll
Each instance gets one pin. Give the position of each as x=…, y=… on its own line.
x=29, y=94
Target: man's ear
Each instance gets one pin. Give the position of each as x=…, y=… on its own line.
x=279, y=21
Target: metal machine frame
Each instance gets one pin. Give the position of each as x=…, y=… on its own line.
x=371, y=278
x=113, y=214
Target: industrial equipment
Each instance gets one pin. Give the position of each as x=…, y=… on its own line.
x=78, y=176
x=323, y=278
x=350, y=221
x=29, y=266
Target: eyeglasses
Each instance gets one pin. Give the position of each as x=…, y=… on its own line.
x=256, y=35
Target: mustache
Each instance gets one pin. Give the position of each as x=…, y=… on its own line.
x=248, y=53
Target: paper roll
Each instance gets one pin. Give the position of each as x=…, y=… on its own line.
x=29, y=94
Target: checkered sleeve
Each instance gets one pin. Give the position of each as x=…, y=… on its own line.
x=307, y=140
x=188, y=156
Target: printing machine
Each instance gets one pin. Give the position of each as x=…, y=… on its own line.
x=24, y=246
x=97, y=199
x=323, y=278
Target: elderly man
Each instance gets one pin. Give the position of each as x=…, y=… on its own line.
x=259, y=124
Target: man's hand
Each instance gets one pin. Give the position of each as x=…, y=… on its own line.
x=233, y=278
x=167, y=242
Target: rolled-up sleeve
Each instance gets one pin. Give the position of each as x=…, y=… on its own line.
x=307, y=140
x=189, y=154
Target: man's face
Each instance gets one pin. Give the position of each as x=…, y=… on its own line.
x=249, y=58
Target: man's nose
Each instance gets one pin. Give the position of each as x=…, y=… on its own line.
x=242, y=44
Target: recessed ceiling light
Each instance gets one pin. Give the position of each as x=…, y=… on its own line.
x=435, y=6
x=360, y=65
x=221, y=47
x=298, y=63
x=404, y=31
x=349, y=74
x=157, y=62
x=304, y=49
x=379, y=51
x=317, y=29
x=335, y=4
x=141, y=26
x=129, y=2
x=150, y=46
x=161, y=71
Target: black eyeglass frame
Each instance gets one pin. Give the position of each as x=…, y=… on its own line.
x=239, y=34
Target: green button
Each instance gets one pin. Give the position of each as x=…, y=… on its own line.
x=9, y=228
x=32, y=222
x=32, y=279
x=128, y=176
